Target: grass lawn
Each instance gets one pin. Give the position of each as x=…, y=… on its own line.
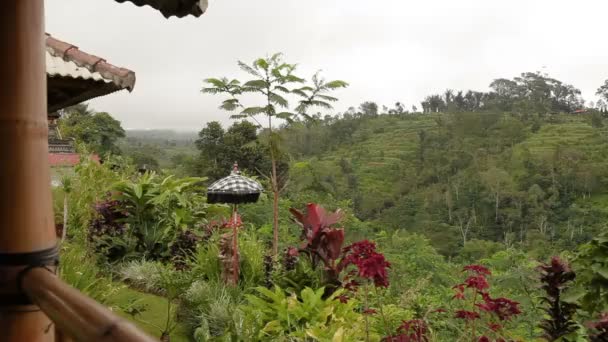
x=155, y=313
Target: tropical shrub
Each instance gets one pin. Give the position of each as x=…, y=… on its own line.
x=592, y=274
x=276, y=315
x=80, y=270
x=142, y=275
x=146, y=215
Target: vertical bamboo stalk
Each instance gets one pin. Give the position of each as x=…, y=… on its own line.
x=26, y=219
x=235, y=248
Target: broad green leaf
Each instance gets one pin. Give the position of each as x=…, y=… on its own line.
x=602, y=270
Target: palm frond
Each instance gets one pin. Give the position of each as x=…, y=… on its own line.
x=282, y=89
x=256, y=84
x=230, y=104
x=327, y=97
x=291, y=79
x=335, y=84
x=299, y=92
x=239, y=116
x=246, y=68
x=217, y=82
x=254, y=110
x=284, y=115
x=261, y=63
x=278, y=99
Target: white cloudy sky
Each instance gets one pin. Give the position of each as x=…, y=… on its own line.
x=388, y=50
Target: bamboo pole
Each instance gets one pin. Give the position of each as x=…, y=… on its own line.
x=235, y=247
x=78, y=316
x=27, y=222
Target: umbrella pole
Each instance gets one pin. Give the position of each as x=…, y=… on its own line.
x=235, y=247
x=27, y=223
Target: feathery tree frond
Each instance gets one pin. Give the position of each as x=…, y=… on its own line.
x=316, y=96
x=271, y=76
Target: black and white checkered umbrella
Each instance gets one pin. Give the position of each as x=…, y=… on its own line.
x=234, y=189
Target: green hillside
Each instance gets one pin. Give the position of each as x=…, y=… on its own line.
x=438, y=174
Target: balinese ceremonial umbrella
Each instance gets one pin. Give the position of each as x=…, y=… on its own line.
x=234, y=189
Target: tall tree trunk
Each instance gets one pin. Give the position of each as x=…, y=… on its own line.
x=275, y=192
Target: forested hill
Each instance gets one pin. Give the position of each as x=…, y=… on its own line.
x=507, y=178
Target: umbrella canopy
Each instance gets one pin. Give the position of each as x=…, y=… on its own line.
x=234, y=189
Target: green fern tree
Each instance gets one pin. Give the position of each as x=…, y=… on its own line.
x=273, y=81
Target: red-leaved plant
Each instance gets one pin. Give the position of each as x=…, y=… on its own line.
x=556, y=277
x=484, y=317
x=322, y=242
x=599, y=328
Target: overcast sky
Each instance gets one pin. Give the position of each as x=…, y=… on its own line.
x=388, y=50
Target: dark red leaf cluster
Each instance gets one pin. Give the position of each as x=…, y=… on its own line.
x=467, y=315
x=477, y=282
x=371, y=264
x=556, y=277
x=477, y=269
x=502, y=307
x=600, y=327
x=414, y=330
x=183, y=248
x=320, y=239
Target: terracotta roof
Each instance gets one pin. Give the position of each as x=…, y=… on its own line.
x=74, y=76
x=124, y=78
x=67, y=159
x=178, y=8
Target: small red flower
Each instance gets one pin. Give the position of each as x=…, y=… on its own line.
x=477, y=269
x=483, y=339
x=369, y=312
x=467, y=315
x=478, y=282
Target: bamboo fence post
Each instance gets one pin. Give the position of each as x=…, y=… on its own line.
x=26, y=218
